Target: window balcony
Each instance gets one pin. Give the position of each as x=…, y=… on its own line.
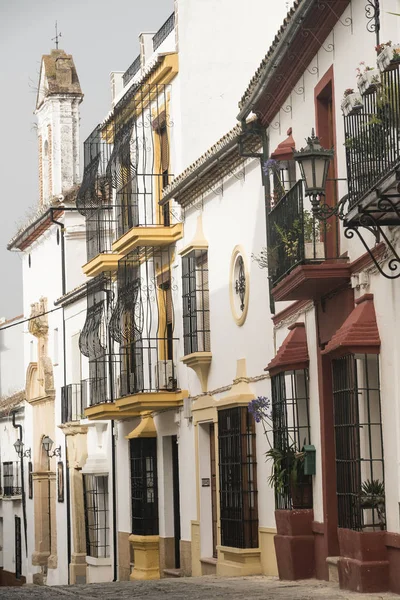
x=11, y=480
x=131, y=71
x=373, y=153
x=72, y=406
x=303, y=253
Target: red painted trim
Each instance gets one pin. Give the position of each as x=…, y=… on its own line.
x=318, y=527
x=289, y=311
x=365, y=260
x=293, y=353
x=310, y=278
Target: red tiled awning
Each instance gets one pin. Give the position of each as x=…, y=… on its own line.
x=284, y=150
x=293, y=353
x=359, y=333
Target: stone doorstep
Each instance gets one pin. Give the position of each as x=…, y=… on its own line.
x=209, y=560
x=332, y=562
x=172, y=573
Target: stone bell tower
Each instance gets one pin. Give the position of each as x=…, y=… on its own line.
x=57, y=109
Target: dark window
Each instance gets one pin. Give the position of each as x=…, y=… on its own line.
x=196, y=305
x=95, y=489
x=18, y=548
x=144, y=489
x=11, y=479
x=291, y=431
x=359, y=443
x=30, y=481
x=238, y=478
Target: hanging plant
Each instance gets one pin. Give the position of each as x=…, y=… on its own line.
x=367, y=78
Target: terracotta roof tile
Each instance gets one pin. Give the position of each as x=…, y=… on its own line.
x=293, y=353
x=359, y=333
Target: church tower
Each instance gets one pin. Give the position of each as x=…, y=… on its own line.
x=57, y=109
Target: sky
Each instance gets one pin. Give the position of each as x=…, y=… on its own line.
x=102, y=36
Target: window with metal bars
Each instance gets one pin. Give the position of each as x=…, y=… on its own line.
x=359, y=442
x=144, y=488
x=291, y=431
x=11, y=479
x=238, y=478
x=18, y=548
x=95, y=493
x=196, y=303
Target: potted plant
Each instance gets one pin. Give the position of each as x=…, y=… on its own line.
x=367, y=78
x=372, y=497
x=388, y=56
x=352, y=102
x=287, y=476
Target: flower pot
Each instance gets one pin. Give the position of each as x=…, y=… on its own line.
x=368, y=81
x=314, y=250
x=351, y=104
x=302, y=494
x=385, y=59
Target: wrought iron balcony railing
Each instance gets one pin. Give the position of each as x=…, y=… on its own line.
x=164, y=32
x=12, y=486
x=373, y=137
x=97, y=390
x=101, y=227
x=131, y=71
x=72, y=407
x=295, y=237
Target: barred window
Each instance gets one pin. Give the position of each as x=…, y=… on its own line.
x=95, y=488
x=238, y=478
x=196, y=305
x=359, y=442
x=144, y=488
x=291, y=431
x=11, y=479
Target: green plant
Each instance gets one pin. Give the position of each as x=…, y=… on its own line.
x=287, y=467
x=372, y=496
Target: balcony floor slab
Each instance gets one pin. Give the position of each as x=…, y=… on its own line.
x=308, y=282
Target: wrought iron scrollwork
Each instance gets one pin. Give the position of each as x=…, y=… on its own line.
x=126, y=322
x=372, y=12
x=240, y=283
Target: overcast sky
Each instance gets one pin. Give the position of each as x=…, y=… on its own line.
x=102, y=36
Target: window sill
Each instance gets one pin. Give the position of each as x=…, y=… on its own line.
x=200, y=362
x=8, y=498
x=91, y=561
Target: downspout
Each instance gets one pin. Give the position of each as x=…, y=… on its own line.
x=114, y=494
x=67, y=479
x=16, y=426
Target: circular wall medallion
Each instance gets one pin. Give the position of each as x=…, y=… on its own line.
x=239, y=286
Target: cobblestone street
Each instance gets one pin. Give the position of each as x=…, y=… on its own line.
x=205, y=588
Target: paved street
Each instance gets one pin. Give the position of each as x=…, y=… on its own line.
x=205, y=588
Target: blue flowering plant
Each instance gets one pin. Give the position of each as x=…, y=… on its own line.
x=273, y=167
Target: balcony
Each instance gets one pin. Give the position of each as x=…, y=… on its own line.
x=148, y=377
x=101, y=227
x=11, y=480
x=72, y=405
x=373, y=153
x=140, y=221
x=131, y=72
x=164, y=32
x=302, y=253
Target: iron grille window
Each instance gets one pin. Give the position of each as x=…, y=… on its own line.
x=359, y=442
x=18, y=548
x=95, y=488
x=144, y=488
x=291, y=431
x=11, y=479
x=238, y=478
x=196, y=304
x=71, y=403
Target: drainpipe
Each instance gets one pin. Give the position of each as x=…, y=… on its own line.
x=17, y=426
x=67, y=479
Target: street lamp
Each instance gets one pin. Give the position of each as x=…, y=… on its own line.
x=19, y=449
x=314, y=164
x=47, y=444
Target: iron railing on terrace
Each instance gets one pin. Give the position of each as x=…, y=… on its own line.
x=131, y=71
x=295, y=237
x=373, y=137
x=72, y=407
x=164, y=32
x=101, y=227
